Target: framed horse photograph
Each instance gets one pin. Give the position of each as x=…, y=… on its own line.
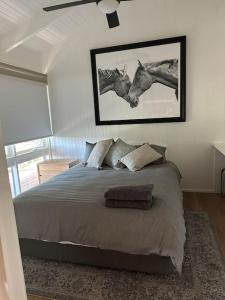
x=140, y=83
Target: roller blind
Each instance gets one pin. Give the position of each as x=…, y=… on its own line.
x=24, y=110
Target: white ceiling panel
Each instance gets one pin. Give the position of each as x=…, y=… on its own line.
x=16, y=11
x=37, y=44
x=60, y=29
x=16, y=16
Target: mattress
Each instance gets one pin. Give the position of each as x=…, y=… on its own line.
x=70, y=207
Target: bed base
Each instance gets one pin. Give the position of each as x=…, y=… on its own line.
x=152, y=263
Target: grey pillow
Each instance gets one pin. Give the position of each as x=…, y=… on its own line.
x=116, y=152
x=98, y=154
x=161, y=150
x=140, y=157
x=114, y=148
x=88, y=150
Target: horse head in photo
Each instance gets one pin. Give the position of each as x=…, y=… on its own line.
x=142, y=82
x=164, y=72
x=117, y=81
x=122, y=86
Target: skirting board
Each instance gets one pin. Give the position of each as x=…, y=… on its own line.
x=210, y=191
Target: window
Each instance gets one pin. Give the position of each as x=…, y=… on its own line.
x=31, y=146
x=22, y=162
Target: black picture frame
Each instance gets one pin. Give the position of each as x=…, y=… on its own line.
x=182, y=117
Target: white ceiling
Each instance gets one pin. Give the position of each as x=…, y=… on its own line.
x=24, y=22
x=29, y=31
x=14, y=12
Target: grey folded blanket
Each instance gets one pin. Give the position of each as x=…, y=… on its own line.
x=135, y=193
x=139, y=197
x=140, y=204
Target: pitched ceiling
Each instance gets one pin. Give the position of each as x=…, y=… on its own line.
x=24, y=22
x=25, y=27
x=13, y=13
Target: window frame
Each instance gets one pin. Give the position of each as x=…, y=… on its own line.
x=14, y=159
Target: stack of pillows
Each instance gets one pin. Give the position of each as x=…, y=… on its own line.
x=119, y=154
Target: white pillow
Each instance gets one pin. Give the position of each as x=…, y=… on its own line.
x=140, y=157
x=98, y=153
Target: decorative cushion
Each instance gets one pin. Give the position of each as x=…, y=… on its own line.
x=98, y=153
x=116, y=152
x=161, y=150
x=140, y=157
x=88, y=150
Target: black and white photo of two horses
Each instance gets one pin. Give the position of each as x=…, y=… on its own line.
x=140, y=83
x=164, y=72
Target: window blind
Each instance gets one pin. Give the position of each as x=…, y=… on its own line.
x=24, y=110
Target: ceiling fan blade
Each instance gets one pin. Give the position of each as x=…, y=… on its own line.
x=113, y=19
x=65, y=5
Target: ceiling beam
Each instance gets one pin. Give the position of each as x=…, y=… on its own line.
x=18, y=72
x=29, y=28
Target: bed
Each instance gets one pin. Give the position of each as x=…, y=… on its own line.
x=65, y=219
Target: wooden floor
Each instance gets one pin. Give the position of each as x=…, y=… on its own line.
x=212, y=204
x=38, y=298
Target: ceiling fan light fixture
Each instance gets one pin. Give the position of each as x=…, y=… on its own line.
x=108, y=6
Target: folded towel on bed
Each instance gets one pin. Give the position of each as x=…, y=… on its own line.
x=130, y=193
x=139, y=197
x=140, y=204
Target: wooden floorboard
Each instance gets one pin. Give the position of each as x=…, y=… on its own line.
x=36, y=298
x=212, y=204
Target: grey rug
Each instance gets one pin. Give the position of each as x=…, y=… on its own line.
x=203, y=276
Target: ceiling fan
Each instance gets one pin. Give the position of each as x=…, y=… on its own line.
x=107, y=7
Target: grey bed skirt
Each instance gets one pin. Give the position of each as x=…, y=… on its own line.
x=96, y=257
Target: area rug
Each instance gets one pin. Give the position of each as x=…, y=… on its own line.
x=203, y=276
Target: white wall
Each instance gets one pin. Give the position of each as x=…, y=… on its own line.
x=189, y=144
x=12, y=285
x=3, y=282
x=24, y=58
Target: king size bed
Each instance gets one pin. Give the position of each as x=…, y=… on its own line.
x=66, y=219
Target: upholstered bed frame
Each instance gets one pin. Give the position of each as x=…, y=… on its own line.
x=96, y=257
x=70, y=207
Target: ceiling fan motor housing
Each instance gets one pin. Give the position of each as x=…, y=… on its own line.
x=108, y=6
